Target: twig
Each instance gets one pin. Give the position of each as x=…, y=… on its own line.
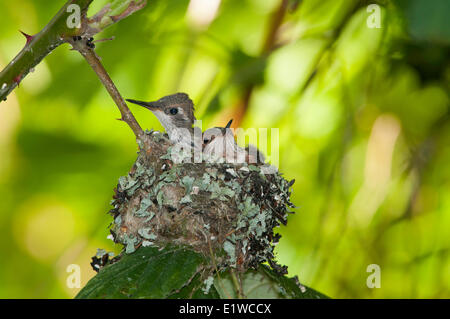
x=275, y=23
x=92, y=59
x=217, y=270
x=237, y=284
x=59, y=31
x=269, y=43
x=38, y=46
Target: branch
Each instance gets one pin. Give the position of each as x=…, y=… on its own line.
x=59, y=31
x=92, y=59
x=38, y=47
x=269, y=43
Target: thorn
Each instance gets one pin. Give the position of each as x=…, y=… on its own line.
x=229, y=124
x=17, y=79
x=115, y=18
x=102, y=40
x=27, y=36
x=121, y=119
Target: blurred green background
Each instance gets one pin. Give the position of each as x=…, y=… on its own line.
x=363, y=114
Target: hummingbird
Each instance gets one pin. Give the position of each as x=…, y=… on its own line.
x=219, y=142
x=175, y=112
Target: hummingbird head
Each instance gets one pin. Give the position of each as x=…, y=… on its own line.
x=210, y=134
x=173, y=111
x=219, y=142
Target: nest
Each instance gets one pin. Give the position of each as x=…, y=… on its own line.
x=222, y=210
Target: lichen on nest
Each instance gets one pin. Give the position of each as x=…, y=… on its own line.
x=225, y=209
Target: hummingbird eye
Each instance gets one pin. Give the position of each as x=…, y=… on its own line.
x=173, y=111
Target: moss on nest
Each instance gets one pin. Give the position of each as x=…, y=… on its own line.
x=228, y=210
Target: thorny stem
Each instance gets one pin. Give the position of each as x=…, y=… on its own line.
x=38, y=46
x=93, y=60
x=57, y=32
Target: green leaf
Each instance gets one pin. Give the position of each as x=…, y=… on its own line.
x=195, y=291
x=264, y=283
x=176, y=273
x=147, y=273
x=293, y=288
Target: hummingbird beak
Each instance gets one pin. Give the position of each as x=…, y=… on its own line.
x=229, y=124
x=152, y=106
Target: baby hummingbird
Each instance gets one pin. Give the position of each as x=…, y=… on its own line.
x=219, y=142
x=176, y=114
